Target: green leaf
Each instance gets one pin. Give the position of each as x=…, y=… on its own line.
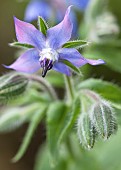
x=35, y=120
x=76, y=44
x=73, y=68
x=106, y=89
x=72, y=117
x=42, y=25
x=42, y=159
x=56, y=120
x=20, y=45
x=12, y=118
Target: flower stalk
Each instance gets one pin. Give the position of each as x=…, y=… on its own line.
x=69, y=88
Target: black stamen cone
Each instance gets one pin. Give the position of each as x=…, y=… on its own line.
x=44, y=71
x=46, y=65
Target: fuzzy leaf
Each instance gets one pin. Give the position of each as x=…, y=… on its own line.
x=42, y=159
x=12, y=118
x=20, y=45
x=72, y=116
x=55, y=122
x=42, y=25
x=76, y=44
x=106, y=89
x=35, y=120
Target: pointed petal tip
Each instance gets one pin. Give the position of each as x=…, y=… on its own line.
x=28, y=34
x=69, y=9
x=101, y=61
x=15, y=19
x=5, y=66
x=95, y=62
x=61, y=33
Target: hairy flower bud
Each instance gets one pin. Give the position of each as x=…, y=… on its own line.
x=103, y=118
x=97, y=118
x=86, y=131
x=12, y=85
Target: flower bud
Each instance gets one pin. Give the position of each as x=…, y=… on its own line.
x=86, y=131
x=103, y=118
x=12, y=85
x=97, y=118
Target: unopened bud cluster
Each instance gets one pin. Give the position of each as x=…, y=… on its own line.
x=96, y=120
x=12, y=85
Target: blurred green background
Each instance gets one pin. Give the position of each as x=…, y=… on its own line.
x=108, y=153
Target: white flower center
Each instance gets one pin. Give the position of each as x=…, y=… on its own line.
x=49, y=54
x=47, y=58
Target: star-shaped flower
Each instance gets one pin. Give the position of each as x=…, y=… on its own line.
x=48, y=51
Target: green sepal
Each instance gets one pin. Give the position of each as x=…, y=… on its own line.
x=21, y=45
x=42, y=25
x=76, y=44
x=72, y=67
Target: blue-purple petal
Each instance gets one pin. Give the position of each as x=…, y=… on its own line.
x=37, y=8
x=73, y=56
x=95, y=62
x=27, y=33
x=61, y=33
x=75, y=24
x=62, y=68
x=27, y=63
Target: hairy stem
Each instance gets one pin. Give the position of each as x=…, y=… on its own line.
x=69, y=88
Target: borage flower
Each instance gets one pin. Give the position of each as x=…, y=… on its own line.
x=48, y=50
